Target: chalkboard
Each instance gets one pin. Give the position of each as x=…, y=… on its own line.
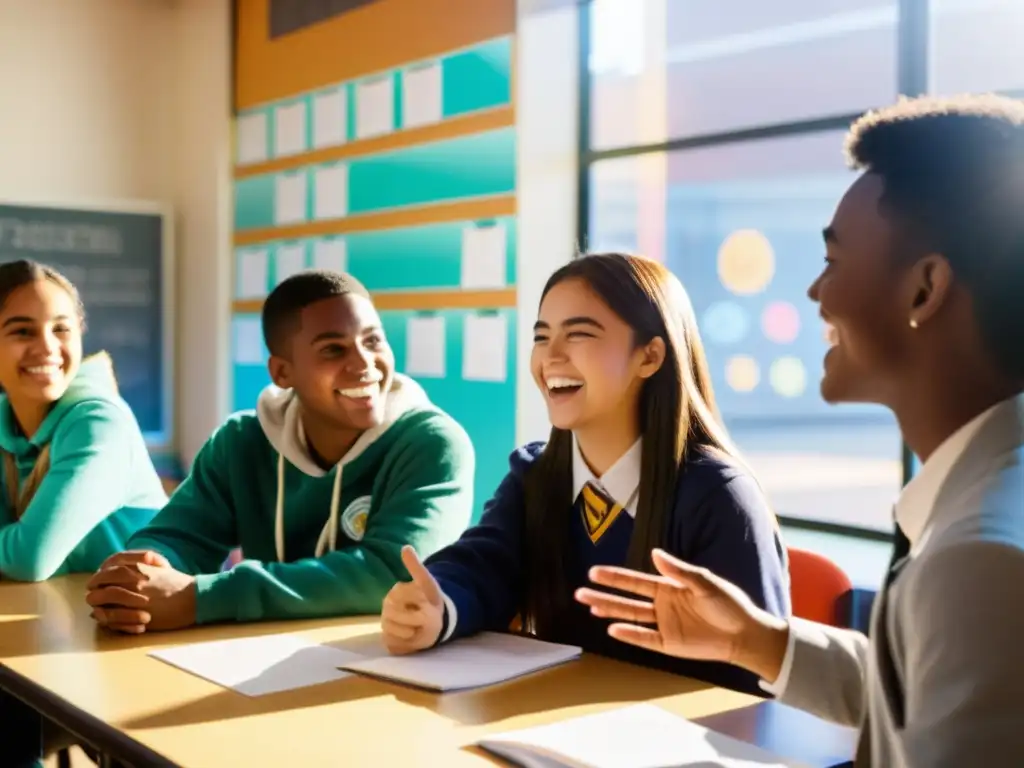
x=287, y=16
x=119, y=259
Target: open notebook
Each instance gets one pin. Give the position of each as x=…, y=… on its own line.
x=641, y=736
x=472, y=662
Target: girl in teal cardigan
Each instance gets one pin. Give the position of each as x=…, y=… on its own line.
x=76, y=478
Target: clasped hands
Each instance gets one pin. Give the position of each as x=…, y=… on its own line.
x=138, y=591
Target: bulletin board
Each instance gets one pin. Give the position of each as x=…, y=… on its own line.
x=396, y=163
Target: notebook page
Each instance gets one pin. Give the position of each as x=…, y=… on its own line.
x=472, y=662
x=641, y=736
x=257, y=666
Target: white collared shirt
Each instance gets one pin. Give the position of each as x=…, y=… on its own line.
x=913, y=510
x=619, y=482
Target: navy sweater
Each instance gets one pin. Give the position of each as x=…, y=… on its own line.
x=720, y=521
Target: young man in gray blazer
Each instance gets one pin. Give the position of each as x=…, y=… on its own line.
x=923, y=291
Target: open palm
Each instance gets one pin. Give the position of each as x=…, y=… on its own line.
x=686, y=611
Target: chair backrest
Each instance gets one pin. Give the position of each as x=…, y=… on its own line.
x=818, y=588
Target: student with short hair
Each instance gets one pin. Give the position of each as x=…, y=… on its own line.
x=342, y=463
x=77, y=479
x=637, y=458
x=922, y=290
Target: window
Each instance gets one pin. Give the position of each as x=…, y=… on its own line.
x=740, y=224
x=976, y=45
x=664, y=69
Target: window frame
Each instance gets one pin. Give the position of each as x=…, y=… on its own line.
x=912, y=79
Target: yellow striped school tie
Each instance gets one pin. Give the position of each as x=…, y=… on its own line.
x=599, y=511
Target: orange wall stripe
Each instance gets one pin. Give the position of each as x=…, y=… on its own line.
x=380, y=36
x=461, y=210
x=417, y=300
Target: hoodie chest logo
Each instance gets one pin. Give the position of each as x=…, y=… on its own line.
x=353, y=519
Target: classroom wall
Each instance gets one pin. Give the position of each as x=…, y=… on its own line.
x=383, y=142
x=129, y=100
x=547, y=98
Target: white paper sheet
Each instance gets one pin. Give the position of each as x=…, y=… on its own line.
x=472, y=662
x=330, y=118
x=331, y=253
x=248, y=341
x=375, y=107
x=484, y=256
x=290, y=198
x=256, y=666
x=425, y=347
x=421, y=95
x=485, y=348
x=289, y=260
x=330, y=196
x=290, y=129
x=252, y=279
x=251, y=139
x=639, y=736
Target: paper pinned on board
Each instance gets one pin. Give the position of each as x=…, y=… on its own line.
x=484, y=256
x=252, y=278
x=330, y=197
x=289, y=260
x=425, y=346
x=638, y=736
x=251, y=138
x=422, y=95
x=485, y=347
x=248, y=341
x=290, y=129
x=330, y=118
x=290, y=198
x=375, y=107
x=331, y=253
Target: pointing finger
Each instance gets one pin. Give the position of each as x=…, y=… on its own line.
x=421, y=576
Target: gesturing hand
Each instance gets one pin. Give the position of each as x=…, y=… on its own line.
x=413, y=611
x=689, y=612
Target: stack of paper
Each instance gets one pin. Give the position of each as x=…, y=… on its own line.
x=472, y=662
x=642, y=736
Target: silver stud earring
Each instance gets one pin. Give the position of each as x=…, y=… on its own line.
x=913, y=323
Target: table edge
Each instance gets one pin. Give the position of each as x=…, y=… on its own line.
x=84, y=726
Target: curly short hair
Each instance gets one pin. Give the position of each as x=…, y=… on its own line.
x=953, y=178
x=283, y=308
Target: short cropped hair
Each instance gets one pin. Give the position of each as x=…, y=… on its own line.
x=283, y=308
x=953, y=179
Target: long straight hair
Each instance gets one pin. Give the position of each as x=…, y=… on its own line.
x=676, y=409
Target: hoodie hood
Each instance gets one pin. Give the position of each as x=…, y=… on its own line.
x=279, y=415
x=94, y=381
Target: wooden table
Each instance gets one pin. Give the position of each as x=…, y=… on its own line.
x=107, y=690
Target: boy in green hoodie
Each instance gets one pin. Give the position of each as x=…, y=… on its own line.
x=343, y=462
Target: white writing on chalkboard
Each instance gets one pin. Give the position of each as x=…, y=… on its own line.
x=46, y=236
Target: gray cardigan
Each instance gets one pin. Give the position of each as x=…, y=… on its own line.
x=941, y=682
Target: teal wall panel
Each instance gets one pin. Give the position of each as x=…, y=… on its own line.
x=478, y=165
x=477, y=78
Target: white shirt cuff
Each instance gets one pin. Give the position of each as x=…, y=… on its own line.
x=449, y=608
x=778, y=687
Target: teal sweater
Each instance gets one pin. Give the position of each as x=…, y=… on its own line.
x=408, y=481
x=100, y=488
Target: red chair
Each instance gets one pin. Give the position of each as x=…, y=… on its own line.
x=819, y=589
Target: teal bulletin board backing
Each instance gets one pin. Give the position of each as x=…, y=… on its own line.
x=427, y=257
x=478, y=165
x=485, y=409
